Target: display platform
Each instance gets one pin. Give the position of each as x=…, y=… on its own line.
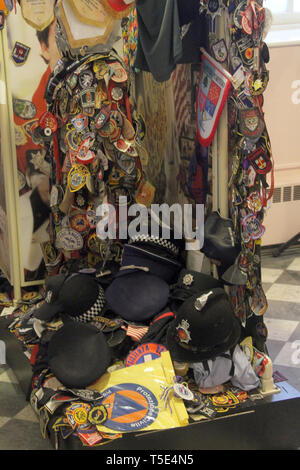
x=260, y=423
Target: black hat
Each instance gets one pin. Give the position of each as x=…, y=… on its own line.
x=191, y=283
x=219, y=243
x=79, y=295
x=205, y=327
x=164, y=267
x=137, y=295
x=78, y=354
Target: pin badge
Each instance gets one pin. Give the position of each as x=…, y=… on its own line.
x=188, y=280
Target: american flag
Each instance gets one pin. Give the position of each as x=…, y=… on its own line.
x=136, y=332
x=181, y=78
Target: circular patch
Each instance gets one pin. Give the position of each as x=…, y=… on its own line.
x=130, y=407
x=144, y=353
x=97, y=415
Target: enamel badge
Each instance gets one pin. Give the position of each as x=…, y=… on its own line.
x=183, y=332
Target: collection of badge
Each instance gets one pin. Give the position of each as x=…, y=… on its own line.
x=95, y=145
x=244, y=55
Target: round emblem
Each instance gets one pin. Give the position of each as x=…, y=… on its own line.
x=80, y=416
x=117, y=93
x=97, y=415
x=79, y=223
x=86, y=79
x=238, y=14
x=69, y=240
x=183, y=392
x=119, y=73
x=188, y=279
x=130, y=407
x=213, y=6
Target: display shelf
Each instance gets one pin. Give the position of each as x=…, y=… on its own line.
x=268, y=423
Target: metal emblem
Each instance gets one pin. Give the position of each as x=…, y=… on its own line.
x=188, y=280
x=200, y=302
x=183, y=333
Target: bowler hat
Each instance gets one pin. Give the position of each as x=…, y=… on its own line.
x=205, y=326
x=78, y=354
x=79, y=295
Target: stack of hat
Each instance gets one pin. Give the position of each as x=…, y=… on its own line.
x=78, y=296
x=149, y=265
x=78, y=352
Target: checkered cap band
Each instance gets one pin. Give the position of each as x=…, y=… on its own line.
x=95, y=310
x=167, y=244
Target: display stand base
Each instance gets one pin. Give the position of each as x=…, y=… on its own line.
x=269, y=422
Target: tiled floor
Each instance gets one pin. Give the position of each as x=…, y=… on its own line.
x=19, y=427
x=281, y=280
